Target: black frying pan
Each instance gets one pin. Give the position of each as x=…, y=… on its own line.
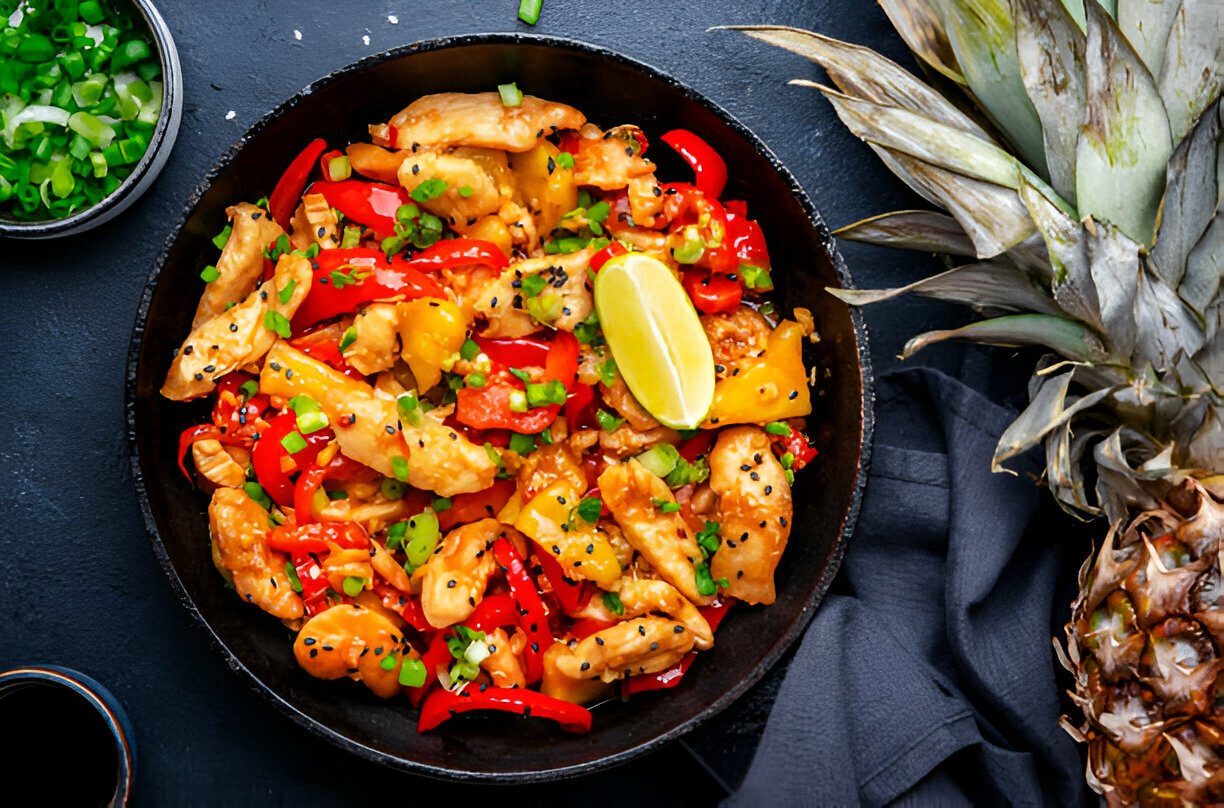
x=611, y=89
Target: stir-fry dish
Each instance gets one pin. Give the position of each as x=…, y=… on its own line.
x=499, y=421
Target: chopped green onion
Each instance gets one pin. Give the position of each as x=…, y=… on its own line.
x=404, y=214
x=607, y=421
x=339, y=168
x=209, y=274
x=412, y=672
x=788, y=460
x=351, y=238
x=589, y=509
x=310, y=422
x=399, y=467
x=790, y=477
x=665, y=505
x=388, y=662
x=545, y=437
x=293, y=442
x=541, y=395
x=294, y=580
x=475, y=380
x=778, y=428
x=469, y=350
x=221, y=238
x=493, y=455
x=302, y=404
x=431, y=188
x=519, y=374
x=723, y=583
x=659, y=460
x=335, y=495
x=255, y=491
x=395, y=534
x=707, y=538
x=607, y=372
x=518, y=401
x=705, y=584
x=511, y=95
x=588, y=329
x=755, y=277
x=565, y=160
x=522, y=444
x=533, y=285
x=277, y=322
x=529, y=11
x=442, y=504
x=692, y=248
x=598, y=212
x=353, y=585
x=248, y=389
x=392, y=489
x=409, y=407
x=466, y=191
x=350, y=336
x=422, y=537
x=285, y=294
x=612, y=603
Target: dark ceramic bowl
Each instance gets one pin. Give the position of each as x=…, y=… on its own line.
x=610, y=89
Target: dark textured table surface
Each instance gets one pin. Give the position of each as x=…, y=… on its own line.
x=81, y=587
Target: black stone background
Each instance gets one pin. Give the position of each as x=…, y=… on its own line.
x=79, y=585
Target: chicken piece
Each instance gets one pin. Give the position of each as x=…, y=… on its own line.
x=385, y=565
x=567, y=295
x=375, y=162
x=457, y=173
x=216, y=465
x=241, y=263
x=622, y=548
x=501, y=664
x=618, y=397
x=347, y=563
x=638, y=646
x=521, y=225
x=351, y=641
x=740, y=334
x=663, y=539
x=477, y=119
x=377, y=340
x=754, y=512
x=547, y=465
x=644, y=596
x=236, y=337
x=318, y=223
x=373, y=514
x=454, y=578
x=609, y=160
x=645, y=199
x=560, y=686
x=239, y=530
x=625, y=440
x=367, y=426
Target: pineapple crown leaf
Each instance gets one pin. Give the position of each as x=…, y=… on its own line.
x=921, y=230
x=1049, y=409
x=1066, y=336
x=923, y=33
x=986, y=284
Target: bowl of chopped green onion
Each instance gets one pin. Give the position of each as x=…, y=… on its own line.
x=90, y=104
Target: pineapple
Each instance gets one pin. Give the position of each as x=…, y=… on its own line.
x=1076, y=149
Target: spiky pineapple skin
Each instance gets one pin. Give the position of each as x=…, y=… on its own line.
x=1144, y=645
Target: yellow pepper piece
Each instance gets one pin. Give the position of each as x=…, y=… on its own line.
x=769, y=388
x=510, y=511
x=431, y=331
x=581, y=551
x=552, y=192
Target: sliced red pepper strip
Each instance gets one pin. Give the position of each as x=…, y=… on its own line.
x=288, y=190
x=326, y=159
x=367, y=276
x=589, y=625
x=444, y=705
x=712, y=294
x=317, y=537
x=268, y=453
x=797, y=444
x=714, y=614
x=314, y=582
x=747, y=241
x=493, y=611
x=709, y=167
x=579, y=412
x=460, y=252
x=437, y=656
x=488, y=407
x=572, y=595
x=403, y=604
x=532, y=616
x=600, y=258
x=304, y=490
x=697, y=445
x=327, y=351
x=478, y=505
x=370, y=203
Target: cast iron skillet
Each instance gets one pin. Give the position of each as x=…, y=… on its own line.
x=611, y=89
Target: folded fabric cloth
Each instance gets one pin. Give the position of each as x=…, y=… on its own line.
x=927, y=676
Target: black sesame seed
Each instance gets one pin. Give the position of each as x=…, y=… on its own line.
x=782, y=519
x=322, y=231
x=678, y=630
x=599, y=641
x=314, y=652
x=390, y=429
x=471, y=601
x=416, y=169
x=768, y=490
x=210, y=368
x=493, y=303
x=762, y=523
x=187, y=351
x=739, y=574
x=308, y=641
x=794, y=394
x=451, y=583
x=731, y=544
x=641, y=629
x=535, y=648
x=233, y=326
x=584, y=666
x=658, y=191
x=327, y=648
x=654, y=646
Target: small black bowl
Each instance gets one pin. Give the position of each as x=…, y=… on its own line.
x=611, y=89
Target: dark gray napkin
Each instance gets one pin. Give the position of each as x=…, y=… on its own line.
x=928, y=676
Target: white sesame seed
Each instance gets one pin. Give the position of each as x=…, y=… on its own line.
x=394, y=20
x=231, y=115
x=297, y=35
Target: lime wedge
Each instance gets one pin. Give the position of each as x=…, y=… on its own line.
x=656, y=339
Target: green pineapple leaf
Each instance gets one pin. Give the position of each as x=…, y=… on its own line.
x=922, y=31
x=1047, y=411
x=987, y=284
x=1190, y=202
x=1070, y=338
x=1195, y=40
x=1146, y=26
x=921, y=230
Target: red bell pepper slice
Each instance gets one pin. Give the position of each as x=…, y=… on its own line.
x=268, y=453
x=402, y=604
x=314, y=583
x=437, y=656
x=493, y=611
x=712, y=294
x=697, y=445
x=579, y=407
x=532, y=617
x=709, y=167
x=747, y=240
x=365, y=276
x=488, y=407
x=230, y=412
x=327, y=351
x=370, y=203
x=572, y=595
x=445, y=704
x=797, y=444
x=460, y=252
x=478, y=505
x=589, y=625
x=326, y=159
x=318, y=537
x=288, y=190
x=600, y=258
x=684, y=205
